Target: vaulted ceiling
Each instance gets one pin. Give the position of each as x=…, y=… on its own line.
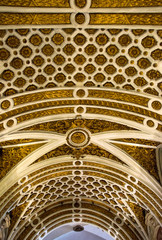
x=80, y=116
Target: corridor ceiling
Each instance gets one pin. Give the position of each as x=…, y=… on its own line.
x=80, y=115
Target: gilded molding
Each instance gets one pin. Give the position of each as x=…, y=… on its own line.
x=125, y=97
x=125, y=19
x=124, y=3
x=39, y=96
x=34, y=19
x=36, y=3
x=115, y=114
x=45, y=113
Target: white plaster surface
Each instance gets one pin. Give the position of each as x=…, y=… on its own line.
x=66, y=233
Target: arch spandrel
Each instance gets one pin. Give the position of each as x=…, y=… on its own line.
x=80, y=117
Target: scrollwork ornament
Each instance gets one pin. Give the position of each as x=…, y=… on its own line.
x=153, y=226
x=4, y=226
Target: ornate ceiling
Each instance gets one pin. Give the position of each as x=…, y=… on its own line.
x=80, y=116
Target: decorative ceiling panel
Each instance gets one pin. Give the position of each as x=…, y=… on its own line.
x=112, y=58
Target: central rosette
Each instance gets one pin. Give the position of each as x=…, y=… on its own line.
x=78, y=137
